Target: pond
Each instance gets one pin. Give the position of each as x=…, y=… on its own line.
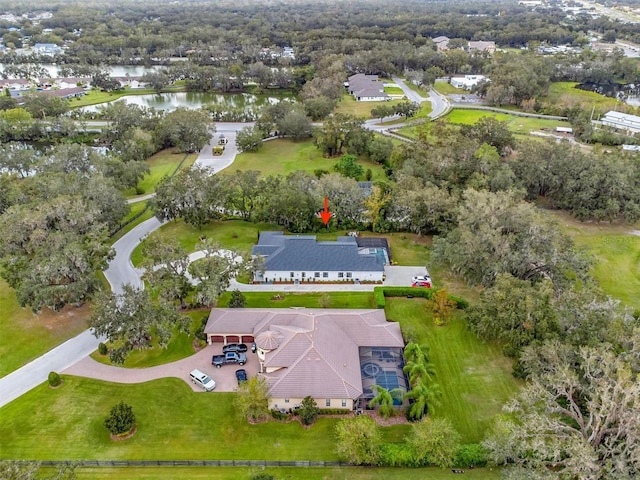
x=114, y=70
x=173, y=100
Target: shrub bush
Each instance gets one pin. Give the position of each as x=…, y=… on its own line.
x=379, y=294
x=334, y=411
x=396, y=455
x=102, y=349
x=121, y=419
x=54, y=379
x=278, y=415
x=200, y=335
x=471, y=455
x=308, y=410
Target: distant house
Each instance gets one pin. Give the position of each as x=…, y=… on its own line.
x=335, y=356
x=366, y=88
x=301, y=258
x=15, y=84
x=131, y=82
x=442, y=43
x=468, y=81
x=71, y=82
x=66, y=92
x=622, y=121
x=49, y=49
x=482, y=46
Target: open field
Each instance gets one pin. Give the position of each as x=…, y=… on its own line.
x=163, y=163
x=475, y=378
x=565, y=95
x=284, y=156
x=350, y=105
x=174, y=423
x=515, y=123
x=246, y=473
x=616, y=253
x=445, y=88
x=25, y=335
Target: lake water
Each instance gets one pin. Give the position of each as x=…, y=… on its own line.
x=171, y=101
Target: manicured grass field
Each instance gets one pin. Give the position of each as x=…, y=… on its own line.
x=350, y=105
x=25, y=335
x=173, y=421
x=564, y=94
x=236, y=234
x=284, y=156
x=163, y=163
x=475, y=378
x=393, y=91
x=515, y=123
x=616, y=253
x=445, y=88
x=309, y=299
x=246, y=473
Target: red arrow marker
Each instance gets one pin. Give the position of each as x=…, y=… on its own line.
x=326, y=215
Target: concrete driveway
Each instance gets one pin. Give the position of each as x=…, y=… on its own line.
x=401, y=276
x=224, y=377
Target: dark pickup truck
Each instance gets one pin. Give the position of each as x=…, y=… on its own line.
x=228, y=358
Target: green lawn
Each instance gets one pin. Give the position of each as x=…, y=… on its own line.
x=475, y=377
x=283, y=156
x=616, y=253
x=350, y=105
x=309, y=300
x=180, y=346
x=173, y=421
x=236, y=234
x=25, y=335
x=246, y=473
x=565, y=95
x=515, y=123
x=393, y=91
x=445, y=88
x=163, y=163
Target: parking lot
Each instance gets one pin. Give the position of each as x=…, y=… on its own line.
x=225, y=376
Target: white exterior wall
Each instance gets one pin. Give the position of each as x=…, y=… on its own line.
x=372, y=99
x=280, y=403
x=626, y=123
x=282, y=276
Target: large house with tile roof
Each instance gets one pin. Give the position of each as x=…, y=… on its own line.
x=366, y=88
x=301, y=258
x=332, y=355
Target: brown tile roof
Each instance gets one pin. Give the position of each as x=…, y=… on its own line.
x=318, y=354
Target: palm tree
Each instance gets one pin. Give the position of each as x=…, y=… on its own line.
x=414, y=352
x=385, y=399
x=423, y=396
x=417, y=371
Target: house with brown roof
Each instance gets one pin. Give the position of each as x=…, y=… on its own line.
x=442, y=43
x=482, y=46
x=366, y=88
x=333, y=355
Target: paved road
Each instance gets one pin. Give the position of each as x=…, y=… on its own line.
x=439, y=103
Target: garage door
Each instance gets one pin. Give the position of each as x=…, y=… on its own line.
x=216, y=338
x=233, y=339
x=247, y=338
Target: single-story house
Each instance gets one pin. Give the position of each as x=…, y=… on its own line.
x=301, y=258
x=482, y=46
x=442, y=43
x=47, y=49
x=333, y=355
x=622, y=121
x=468, y=81
x=66, y=92
x=366, y=88
x=16, y=84
x=71, y=82
x=131, y=82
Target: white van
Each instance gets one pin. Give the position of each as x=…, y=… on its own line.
x=203, y=380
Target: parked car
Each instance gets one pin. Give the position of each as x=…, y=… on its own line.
x=241, y=376
x=229, y=357
x=202, y=379
x=234, y=347
x=421, y=281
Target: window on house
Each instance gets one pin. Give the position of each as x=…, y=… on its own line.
x=286, y=400
x=344, y=402
x=340, y=274
x=327, y=402
x=303, y=274
x=317, y=274
x=325, y=274
x=292, y=274
x=348, y=274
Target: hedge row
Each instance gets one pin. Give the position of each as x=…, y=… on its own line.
x=379, y=293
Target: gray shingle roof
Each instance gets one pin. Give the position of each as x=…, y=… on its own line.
x=304, y=253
